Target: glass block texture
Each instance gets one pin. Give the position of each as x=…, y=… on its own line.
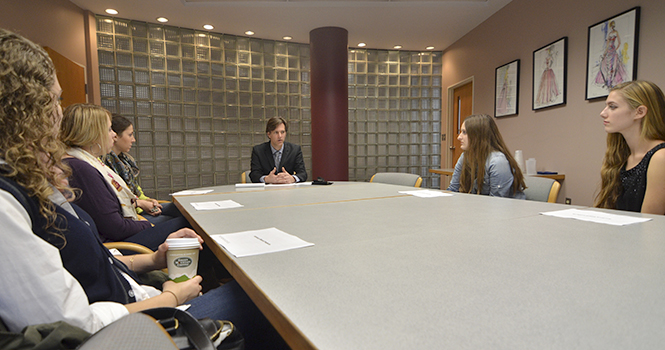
x=394, y=113
x=199, y=101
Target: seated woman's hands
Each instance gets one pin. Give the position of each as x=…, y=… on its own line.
x=184, y=291
x=149, y=206
x=159, y=257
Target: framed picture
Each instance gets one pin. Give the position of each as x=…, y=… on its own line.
x=506, y=89
x=612, y=53
x=549, y=74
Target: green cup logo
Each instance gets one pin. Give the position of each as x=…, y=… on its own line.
x=182, y=262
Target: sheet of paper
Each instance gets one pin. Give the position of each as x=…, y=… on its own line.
x=190, y=192
x=269, y=240
x=251, y=185
x=596, y=216
x=427, y=193
x=214, y=205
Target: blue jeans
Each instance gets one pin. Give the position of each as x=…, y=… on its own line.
x=169, y=211
x=229, y=302
x=152, y=237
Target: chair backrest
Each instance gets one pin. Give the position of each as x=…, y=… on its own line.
x=244, y=177
x=404, y=179
x=541, y=189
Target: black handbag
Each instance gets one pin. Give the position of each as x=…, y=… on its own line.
x=189, y=333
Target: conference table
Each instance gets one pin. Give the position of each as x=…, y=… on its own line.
x=390, y=270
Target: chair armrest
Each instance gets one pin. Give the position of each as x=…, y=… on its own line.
x=135, y=247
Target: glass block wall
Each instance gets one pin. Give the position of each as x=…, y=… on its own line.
x=199, y=101
x=394, y=113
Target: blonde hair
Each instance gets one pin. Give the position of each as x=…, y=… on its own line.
x=637, y=93
x=28, y=125
x=85, y=126
x=484, y=138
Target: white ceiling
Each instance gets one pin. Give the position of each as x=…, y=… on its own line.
x=382, y=24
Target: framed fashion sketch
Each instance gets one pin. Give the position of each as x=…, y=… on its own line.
x=506, y=89
x=612, y=53
x=549, y=74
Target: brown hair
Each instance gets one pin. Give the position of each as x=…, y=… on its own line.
x=119, y=123
x=637, y=93
x=28, y=126
x=274, y=122
x=484, y=138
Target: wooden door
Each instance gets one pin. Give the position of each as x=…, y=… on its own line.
x=463, y=107
x=71, y=76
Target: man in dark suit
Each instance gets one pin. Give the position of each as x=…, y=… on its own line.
x=277, y=161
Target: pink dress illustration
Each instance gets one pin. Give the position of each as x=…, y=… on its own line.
x=612, y=70
x=503, y=98
x=548, y=90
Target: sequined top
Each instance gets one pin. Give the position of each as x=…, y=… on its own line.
x=634, y=183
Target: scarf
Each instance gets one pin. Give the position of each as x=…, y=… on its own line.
x=125, y=166
x=124, y=194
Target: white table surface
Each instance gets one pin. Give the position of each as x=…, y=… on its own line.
x=392, y=271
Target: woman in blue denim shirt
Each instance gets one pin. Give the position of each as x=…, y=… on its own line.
x=486, y=162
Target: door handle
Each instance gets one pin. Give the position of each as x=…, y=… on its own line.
x=452, y=148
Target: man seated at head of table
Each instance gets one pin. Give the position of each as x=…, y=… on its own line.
x=277, y=161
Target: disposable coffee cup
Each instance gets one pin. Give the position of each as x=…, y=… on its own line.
x=182, y=258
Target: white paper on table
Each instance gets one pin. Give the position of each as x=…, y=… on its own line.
x=190, y=192
x=596, y=216
x=256, y=242
x=427, y=193
x=214, y=205
x=251, y=184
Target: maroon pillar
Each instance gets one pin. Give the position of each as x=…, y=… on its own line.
x=330, y=105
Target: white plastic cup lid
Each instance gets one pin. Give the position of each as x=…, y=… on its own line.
x=182, y=243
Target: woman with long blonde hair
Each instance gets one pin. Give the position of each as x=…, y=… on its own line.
x=634, y=166
x=486, y=166
x=86, y=129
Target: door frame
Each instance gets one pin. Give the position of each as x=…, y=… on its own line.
x=447, y=153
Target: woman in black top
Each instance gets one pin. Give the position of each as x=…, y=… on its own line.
x=634, y=165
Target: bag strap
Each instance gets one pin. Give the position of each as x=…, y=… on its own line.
x=190, y=327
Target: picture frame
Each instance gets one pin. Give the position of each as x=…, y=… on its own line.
x=549, y=75
x=506, y=89
x=612, y=52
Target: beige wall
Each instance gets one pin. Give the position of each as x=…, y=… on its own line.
x=57, y=24
x=569, y=139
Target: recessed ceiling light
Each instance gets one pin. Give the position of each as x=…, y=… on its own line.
x=249, y=32
x=397, y=47
x=162, y=19
x=287, y=38
x=208, y=26
x=112, y=11
x=362, y=44
x=430, y=47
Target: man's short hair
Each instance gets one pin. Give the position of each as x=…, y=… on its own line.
x=274, y=122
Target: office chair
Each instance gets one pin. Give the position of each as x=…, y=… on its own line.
x=244, y=177
x=404, y=179
x=541, y=189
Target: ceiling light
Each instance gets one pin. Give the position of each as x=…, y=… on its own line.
x=112, y=11
x=287, y=38
x=397, y=47
x=162, y=19
x=249, y=32
x=208, y=26
x=430, y=47
x=362, y=44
